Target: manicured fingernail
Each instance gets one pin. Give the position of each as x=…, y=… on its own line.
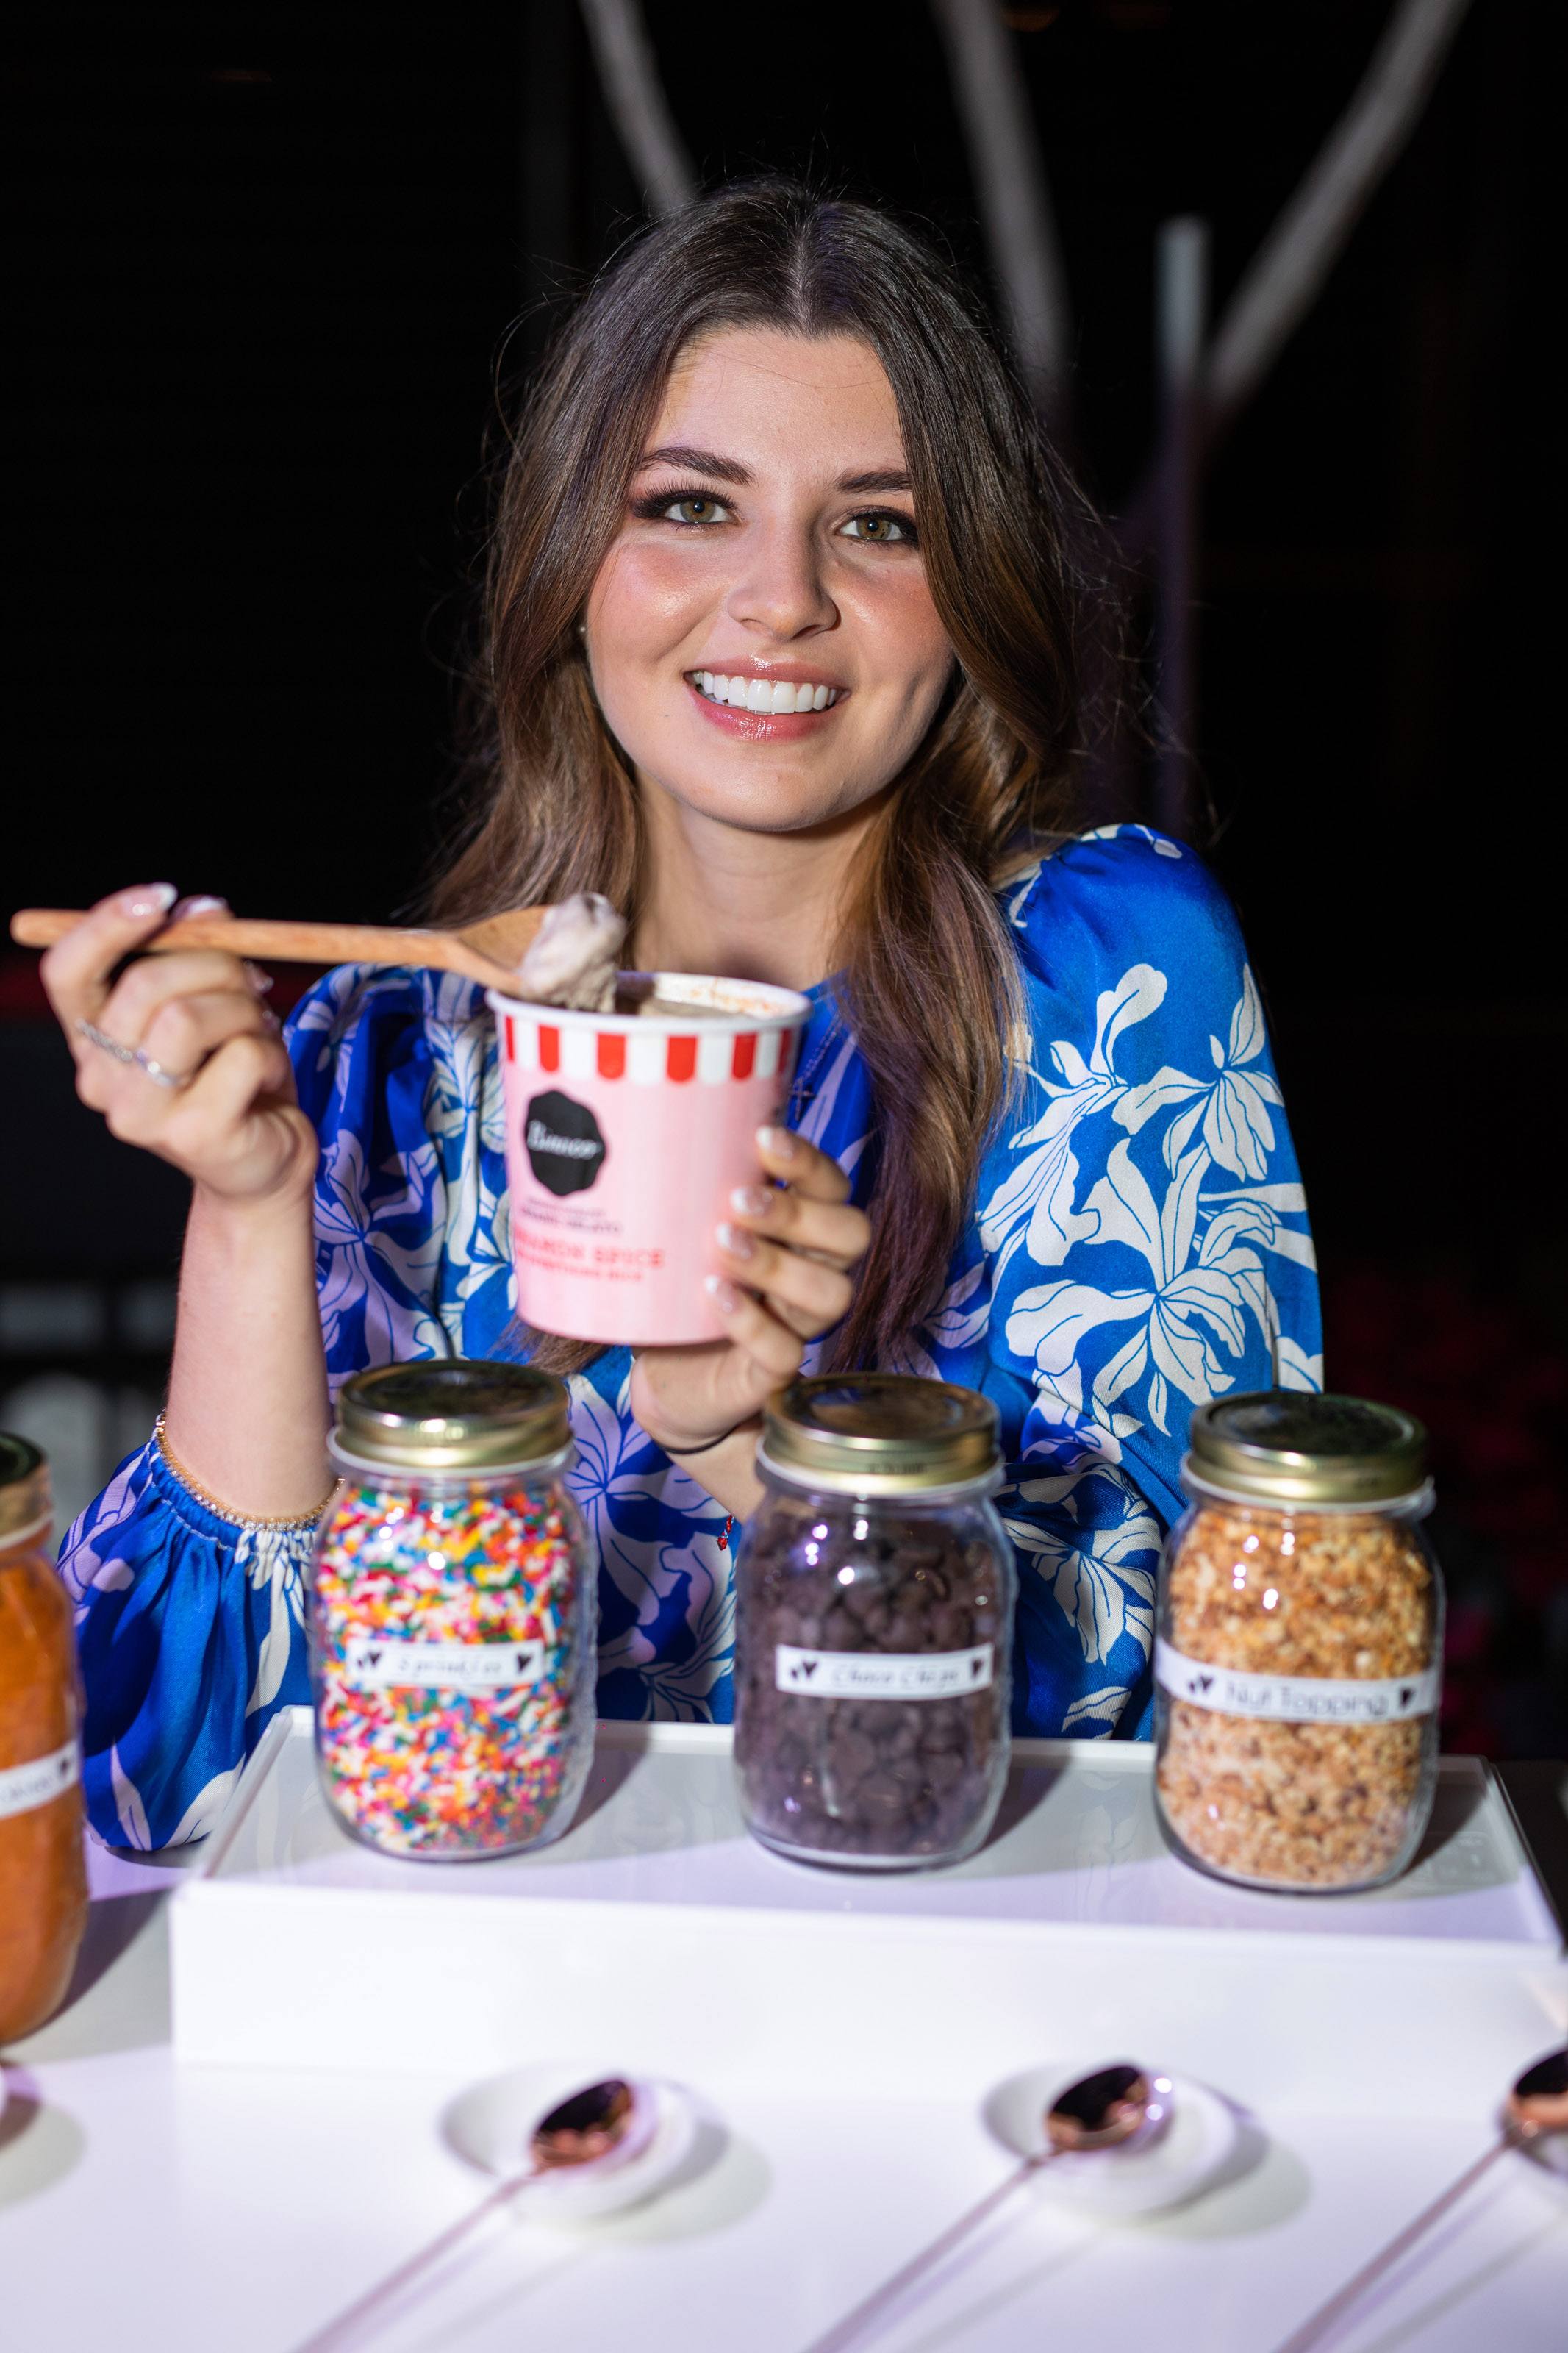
x=204, y=904
x=148, y=899
x=779, y=1141
x=260, y=981
x=737, y=1241
x=724, y=1295
x=752, y=1200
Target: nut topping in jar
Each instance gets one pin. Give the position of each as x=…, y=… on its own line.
x=1297, y=1663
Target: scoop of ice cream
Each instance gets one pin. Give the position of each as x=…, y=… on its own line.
x=574, y=955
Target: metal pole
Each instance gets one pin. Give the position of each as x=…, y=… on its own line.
x=1181, y=319
x=1009, y=176
x=635, y=95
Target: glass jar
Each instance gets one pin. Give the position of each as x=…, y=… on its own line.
x=453, y=1614
x=875, y=1588
x=43, y=1873
x=1299, y=1649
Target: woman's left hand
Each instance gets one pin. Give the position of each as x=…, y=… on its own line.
x=789, y=1251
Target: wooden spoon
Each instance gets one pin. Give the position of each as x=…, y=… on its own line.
x=488, y=952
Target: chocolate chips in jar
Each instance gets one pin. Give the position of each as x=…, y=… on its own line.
x=1297, y=1664
x=874, y=1597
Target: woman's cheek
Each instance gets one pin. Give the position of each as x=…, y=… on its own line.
x=893, y=609
x=900, y=634
x=648, y=598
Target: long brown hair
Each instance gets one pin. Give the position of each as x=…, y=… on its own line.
x=927, y=981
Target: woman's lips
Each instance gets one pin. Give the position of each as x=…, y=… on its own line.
x=763, y=726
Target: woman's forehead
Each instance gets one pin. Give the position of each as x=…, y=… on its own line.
x=759, y=391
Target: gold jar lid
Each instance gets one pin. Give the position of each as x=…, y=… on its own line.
x=449, y=1415
x=24, y=1489
x=878, y=1434
x=1287, y=1446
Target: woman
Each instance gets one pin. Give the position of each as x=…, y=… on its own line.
x=784, y=628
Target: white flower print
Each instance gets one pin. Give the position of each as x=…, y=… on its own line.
x=1195, y=1305
x=1104, y=1705
x=1293, y=1368
x=130, y=1813
x=90, y=1562
x=821, y=1114
x=1161, y=844
x=1101, y=1570
x=958, y=1323
x=393, y=1318
x=649, y=1575
x=464, y=1116
x=681, y=1689
x=1034, y=1208
x=275, y=1559
x=206, y=1809
x=1234, y=1108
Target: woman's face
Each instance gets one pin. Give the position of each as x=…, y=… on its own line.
x=762, y=638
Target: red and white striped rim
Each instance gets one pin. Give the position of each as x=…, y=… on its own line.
x=729, y=1005
x=648, y=1056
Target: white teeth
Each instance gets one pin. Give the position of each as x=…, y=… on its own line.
x=761, y=695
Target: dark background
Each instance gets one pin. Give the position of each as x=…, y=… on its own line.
x=271, y=266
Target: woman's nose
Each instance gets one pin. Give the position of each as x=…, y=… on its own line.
x=780, y=586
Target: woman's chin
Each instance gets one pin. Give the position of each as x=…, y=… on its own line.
x=763, y=798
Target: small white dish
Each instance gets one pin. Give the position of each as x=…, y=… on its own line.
x=490, y=2127
x=1189, y=2153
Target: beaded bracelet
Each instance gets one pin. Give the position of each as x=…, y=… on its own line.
x=203, y=1495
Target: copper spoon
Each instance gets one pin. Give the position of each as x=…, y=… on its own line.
x=1105, y=2110
x=583, y=2130
x=1537, y=2105
x=488, y=952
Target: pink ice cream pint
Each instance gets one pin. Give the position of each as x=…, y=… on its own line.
x=626, y=1133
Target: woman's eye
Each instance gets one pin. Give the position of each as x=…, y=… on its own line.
x=880, y=530
x=695, y=509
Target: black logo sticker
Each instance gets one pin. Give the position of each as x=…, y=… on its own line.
x=565, y=1149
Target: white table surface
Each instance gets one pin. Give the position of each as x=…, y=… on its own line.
x=144, y=2204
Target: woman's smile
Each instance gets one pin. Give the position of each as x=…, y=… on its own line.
x=766, y=706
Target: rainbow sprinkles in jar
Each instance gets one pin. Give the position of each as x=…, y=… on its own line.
x=452, y=1615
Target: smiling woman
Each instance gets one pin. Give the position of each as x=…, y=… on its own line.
x=784, y=625
x=778, y=445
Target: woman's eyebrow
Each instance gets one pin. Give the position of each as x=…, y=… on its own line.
x=730, y=469
x=699, y=461
x=884, y=478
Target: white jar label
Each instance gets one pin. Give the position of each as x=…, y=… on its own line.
x=1295, y=1699
x=883, y=1674
x=374, y=1663
x=23, y=1787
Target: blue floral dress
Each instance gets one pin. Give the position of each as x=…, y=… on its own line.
x=1139, y=1244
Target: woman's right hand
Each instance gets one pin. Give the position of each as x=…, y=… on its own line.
x=225, y=1110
